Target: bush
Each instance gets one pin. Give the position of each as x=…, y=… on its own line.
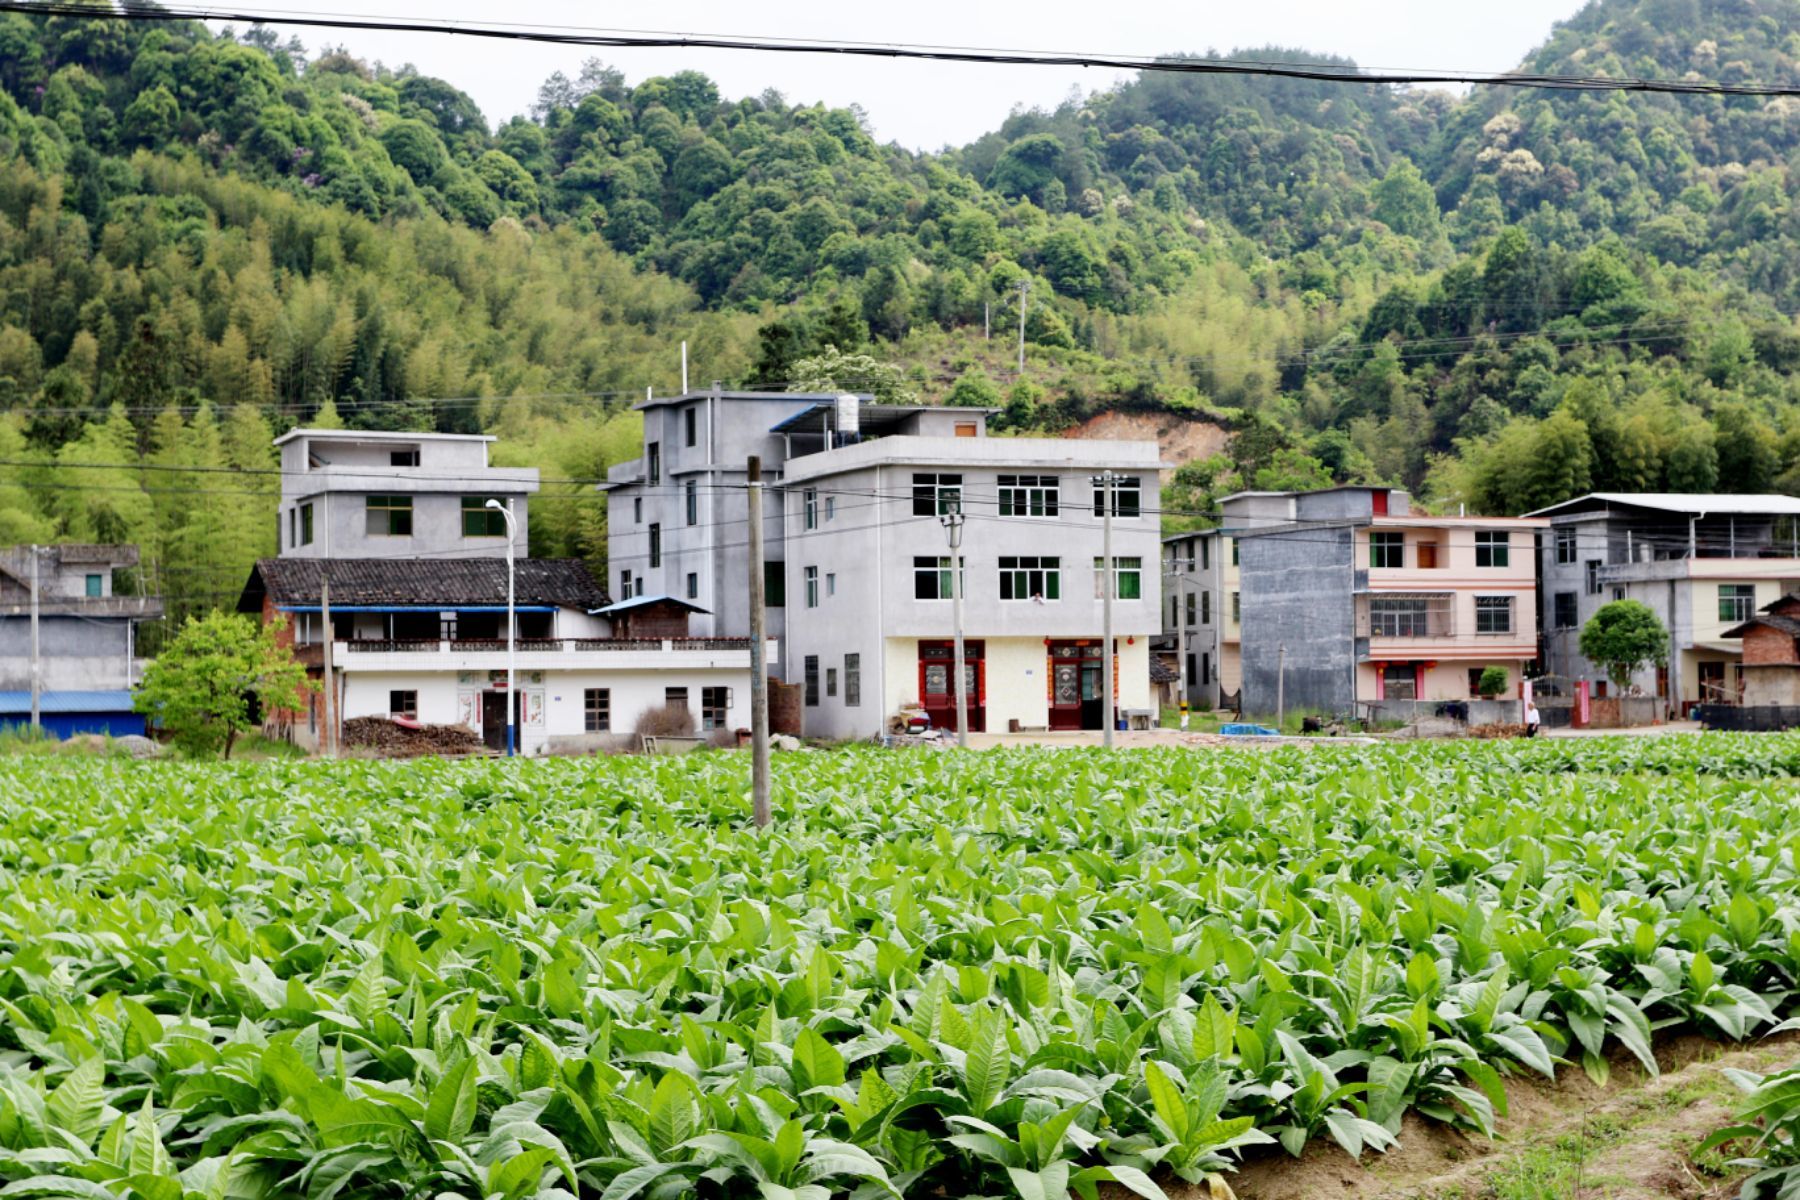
x=671, y=720
x=1492, y=682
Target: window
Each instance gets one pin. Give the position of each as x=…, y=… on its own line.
x=1475, y=682
x=1193, y=608
x=1237, y=609
x=1593, y=577
x=831, y=508
x=1127, y=497
x=831, y=683
x=1129, y=572
x=831, y=583
x=1565, y=546
x=1493, y=614
x=1386, y=550
x=655, y=545
x=403, y=703
x=934, y=495
x=812, y=587
x=811, y=676
x=1206, y=608
x=693, y=585
x=653, y=461
x=1205, y=555
x=388, y=516
x=1205, y=666
x=1563, y=613
x=809, y=507
x=306, y=525
x=852, y=680
x=1400, y=681
x=675, y=697
x=481, y=521
x=692, y=491
x=774, y=585
x=1028, y=495
x=1493, y=548
x=1618, y=593
x=715, y=707
x=624, y=585
x=1398, y=616
x=1737, y=602
x=596, y=706
x=96, y=587
x=1035, y=578
x=1234, y=552
x=404, y=458
x=931, y=578
x=637, y=510
x=690, y=426
x=293, y=537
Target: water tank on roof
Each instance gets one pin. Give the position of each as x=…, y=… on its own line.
x=849, y=419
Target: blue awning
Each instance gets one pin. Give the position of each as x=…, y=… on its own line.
x=67, y=702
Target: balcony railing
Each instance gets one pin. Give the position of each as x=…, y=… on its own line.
x=539, y=645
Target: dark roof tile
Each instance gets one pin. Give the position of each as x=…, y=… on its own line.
x=565, y=582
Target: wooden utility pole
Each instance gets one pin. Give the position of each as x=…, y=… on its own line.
x=759, y=667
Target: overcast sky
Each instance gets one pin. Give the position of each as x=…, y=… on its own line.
x=929, y=105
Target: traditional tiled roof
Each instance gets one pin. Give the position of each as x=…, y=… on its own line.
x=1787, y=625
x=447, y=583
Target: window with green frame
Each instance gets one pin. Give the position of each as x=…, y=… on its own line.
x=481, y=521
x=388, y=516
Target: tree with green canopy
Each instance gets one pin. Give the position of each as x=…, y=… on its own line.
x=211, y=680
x=1624, y=637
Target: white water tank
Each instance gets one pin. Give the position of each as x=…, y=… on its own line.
x=849, y=421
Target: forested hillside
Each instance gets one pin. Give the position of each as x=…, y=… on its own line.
x=1497, y=300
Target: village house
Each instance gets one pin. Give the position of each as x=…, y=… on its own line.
x=87, y=637
x=1200, y=574
x=1770, y=665
x=1704, y=563
x=857, y=562
x=1352, y=604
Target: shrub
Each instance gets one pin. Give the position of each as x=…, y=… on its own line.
x=1492, y=682
x=671, y=720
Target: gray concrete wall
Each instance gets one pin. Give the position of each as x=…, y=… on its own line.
x=340, y=524
x=1298, y=590
x=76, y=654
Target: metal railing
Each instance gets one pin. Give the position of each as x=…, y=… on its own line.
x=528, y=645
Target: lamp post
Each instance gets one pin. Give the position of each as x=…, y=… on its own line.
x=512, y=628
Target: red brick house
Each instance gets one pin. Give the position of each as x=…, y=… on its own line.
x=1771, y=663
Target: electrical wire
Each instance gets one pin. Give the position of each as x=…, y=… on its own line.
x=618, y=39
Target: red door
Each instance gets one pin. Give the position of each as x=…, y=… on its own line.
x=937, y=663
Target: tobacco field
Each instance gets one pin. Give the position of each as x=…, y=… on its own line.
x=1020, y=973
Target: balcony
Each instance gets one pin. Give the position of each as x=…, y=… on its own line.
x=137, y=608
x=563, y=654
x=1406, y=616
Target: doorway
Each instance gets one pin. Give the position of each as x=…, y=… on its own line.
x=937, y=692
x=1075, y=681
x=493, y=720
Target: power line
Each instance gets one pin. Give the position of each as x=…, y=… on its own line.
x=619, y=39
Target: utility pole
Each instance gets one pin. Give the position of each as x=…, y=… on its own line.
x=759, y=667
x=327, y=735
x=684, y=381
x=1109, y=583
x=1024, y=298
x=953, y=525
x=1280, y=686
x=987, y=320
x=37, y=716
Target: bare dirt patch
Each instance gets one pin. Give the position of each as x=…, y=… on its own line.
x=1568, y=1140
x=1181, y=439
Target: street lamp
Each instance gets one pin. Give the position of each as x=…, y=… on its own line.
x=512, y=623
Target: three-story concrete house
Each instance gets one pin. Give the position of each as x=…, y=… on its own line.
x=1351, y=602
x=1704, y=563
x=1200, y=577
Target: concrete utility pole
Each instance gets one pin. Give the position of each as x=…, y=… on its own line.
x=1024, y=298
x=759, y=667
x=1109, y=583
x=513, y=704
x=953, y=525
x=327, y=735
x=37, y=716
x=1280, y=685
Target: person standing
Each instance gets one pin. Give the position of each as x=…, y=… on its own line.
x=1531, y=718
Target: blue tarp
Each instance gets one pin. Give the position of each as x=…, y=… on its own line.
x=1246, y=730
x=65, y=714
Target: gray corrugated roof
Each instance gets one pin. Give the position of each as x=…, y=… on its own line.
x=565, y=582
x=1692, y=503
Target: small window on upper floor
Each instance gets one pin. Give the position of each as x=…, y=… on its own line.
x=306, y=524
x=1387, y=550
x=653, y=462
x=690, y=425
x=96, y=586
x=404, y=458
x=478, y=520
x=1493, y=548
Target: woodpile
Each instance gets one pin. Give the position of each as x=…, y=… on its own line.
x=392, y=739
x=1496, y=729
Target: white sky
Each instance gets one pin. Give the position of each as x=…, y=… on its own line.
x=929, y=105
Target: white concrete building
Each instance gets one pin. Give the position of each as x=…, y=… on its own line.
x=361, y=494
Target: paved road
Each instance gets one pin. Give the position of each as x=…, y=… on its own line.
x=1634, y=731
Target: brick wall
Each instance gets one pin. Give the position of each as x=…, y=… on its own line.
x=784, y=707
x=1763, y=644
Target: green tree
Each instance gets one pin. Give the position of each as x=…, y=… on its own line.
x=1491, y=682
x=1405, y=203
x=202, y=686
x=1624, y=637
x=832, y=370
